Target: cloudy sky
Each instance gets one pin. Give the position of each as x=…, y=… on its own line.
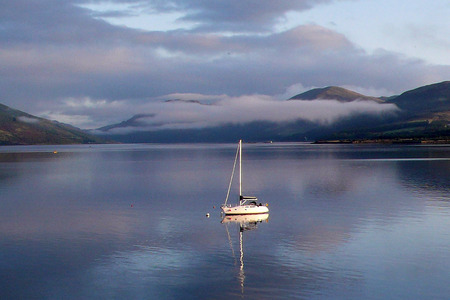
x=92, y=63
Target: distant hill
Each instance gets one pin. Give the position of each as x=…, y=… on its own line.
x=182, y=101
x=20, y=128
x=334, y=93
x=425, y=100
x=424, y=115
x=256, y=131
x=134, y=121
x=141, y=128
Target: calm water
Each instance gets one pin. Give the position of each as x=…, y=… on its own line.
x=128, y=222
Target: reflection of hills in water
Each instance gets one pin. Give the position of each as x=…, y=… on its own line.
x=425, y=175
x=245, y=222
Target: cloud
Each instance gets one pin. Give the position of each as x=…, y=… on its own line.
x=231, y=15
x=177, y=111
x=85, y=112
x=28, y=120
x=245, y=109
x=54, y=50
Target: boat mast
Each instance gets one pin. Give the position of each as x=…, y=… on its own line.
x=241, y=258
x=240, y=169
x=232, y=175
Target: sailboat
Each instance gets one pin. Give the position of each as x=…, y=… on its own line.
x=247, y=204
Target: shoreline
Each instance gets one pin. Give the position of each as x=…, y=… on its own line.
x=439, y=141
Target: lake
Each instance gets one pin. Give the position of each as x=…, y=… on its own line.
x=129, y=222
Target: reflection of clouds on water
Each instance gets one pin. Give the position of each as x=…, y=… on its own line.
x=147, y=263
x=53, y=222
x=327, y=200
x=318, y=269
x=339, y=218
x=161, y=273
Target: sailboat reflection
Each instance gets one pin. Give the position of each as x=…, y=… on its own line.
x=245, y=222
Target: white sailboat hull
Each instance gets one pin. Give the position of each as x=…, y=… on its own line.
x=245, y=209
x=245, y=219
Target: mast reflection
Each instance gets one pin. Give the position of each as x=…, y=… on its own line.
x=245, y=222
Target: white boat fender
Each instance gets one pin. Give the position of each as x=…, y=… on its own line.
x=207, y=215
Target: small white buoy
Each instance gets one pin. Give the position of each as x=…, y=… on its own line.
x=207, y=215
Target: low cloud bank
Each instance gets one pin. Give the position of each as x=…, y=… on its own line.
x=245, y=109
x=28, y=120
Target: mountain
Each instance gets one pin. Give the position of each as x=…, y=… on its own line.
x=144, y=127
x=20, y=128
x=425, y=100
x=130, y=131
x=334, y=93
x=134, y=122
x=182, y=101
x=424, y=115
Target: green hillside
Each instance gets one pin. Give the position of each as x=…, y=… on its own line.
x=20, y=128
x=424, y=117
x=426, y=100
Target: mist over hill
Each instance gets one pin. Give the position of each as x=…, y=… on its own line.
x=424, y=116
x=323, y=114
x=335, y=93
x=20, y=128
x=319, y=114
